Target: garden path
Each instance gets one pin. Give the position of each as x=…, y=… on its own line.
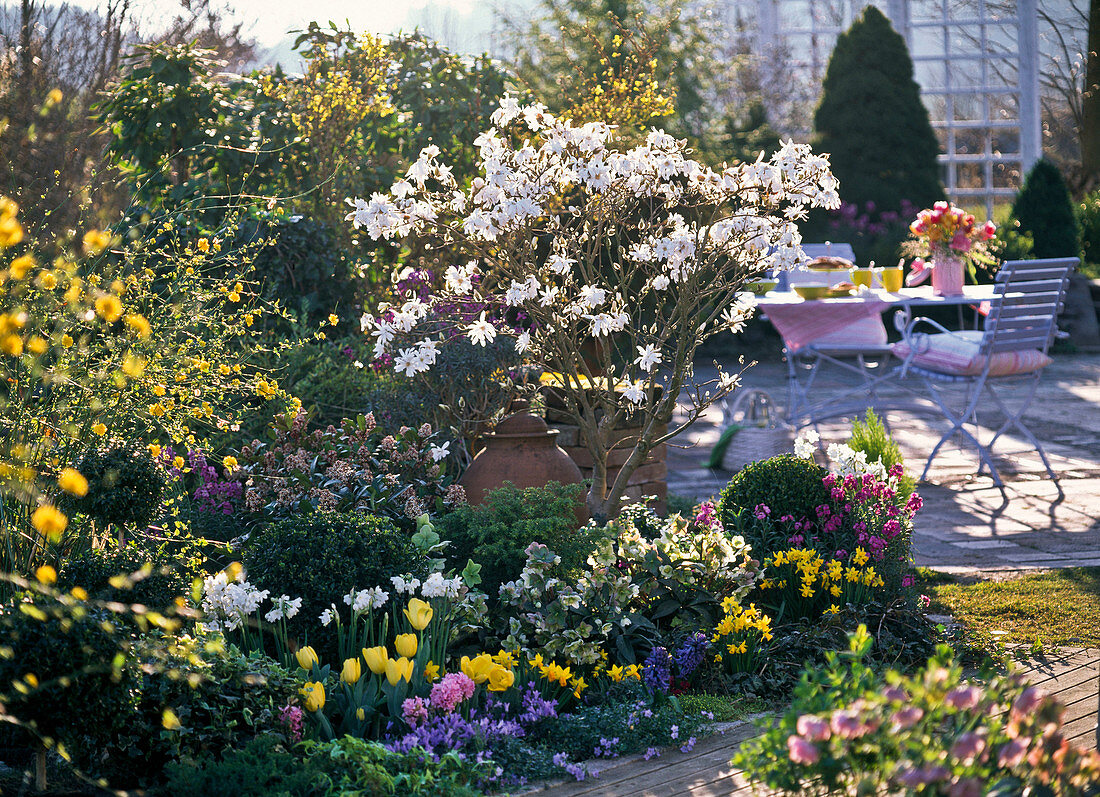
x=705, y=771
x=964, y=526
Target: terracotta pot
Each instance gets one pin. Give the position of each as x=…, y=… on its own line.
x=522, y=450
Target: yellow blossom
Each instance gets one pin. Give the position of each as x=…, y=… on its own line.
x=178, y=462
x=203, y=245
x=306, y=657
x=615, y=673
x=229, y=462
x=109, y=307
x=139, y=324
x=405, y=645
x=376, y=659
x=99, y=429
x=79, y=593
x=49, y=521
x=133, y=367
x=418, y=613
x=46, y=575
x=37, y=345
x=332, y=319
x=314, y=694
x=73, y=482
x=96, y=241
x=352, y=671
x=20, y=266
x=154, y=451
x=500, y=678
x=159, y=390
x=11, y=344
x=66, y=341
x=431, y=672
x=397, y=670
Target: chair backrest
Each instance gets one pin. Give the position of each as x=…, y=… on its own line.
x=1027, y=297
x=829, y=249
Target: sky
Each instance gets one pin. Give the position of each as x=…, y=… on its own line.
x=465, y=21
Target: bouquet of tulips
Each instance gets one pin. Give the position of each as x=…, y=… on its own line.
x=946, y=231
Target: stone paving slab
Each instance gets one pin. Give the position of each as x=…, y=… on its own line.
x=966, y=524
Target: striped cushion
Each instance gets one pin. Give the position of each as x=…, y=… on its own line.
x=957, y=353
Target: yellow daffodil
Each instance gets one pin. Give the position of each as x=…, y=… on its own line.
x=579, y=685
x=431, y=672
x=352, y=671
x=405, y=645
x=615, y=673
x=833, y=609
x=73, y=482
x=376, y=659
x=505, y=659
x=314, y=694
x=418, y=613
x=306, y=657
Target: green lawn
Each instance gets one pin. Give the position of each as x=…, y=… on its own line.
x=1059, y=607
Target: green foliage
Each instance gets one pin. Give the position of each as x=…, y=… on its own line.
x=263, y=767
x=787, y=485
x=1044, y=209
x=125, y=486
x=1088, y=218
x=161, y=573
x=347, y=766
x=871, y=437
x=497, y=532
x=321, y=557
x=872, y=123
x=65, y=672
x=749, y=134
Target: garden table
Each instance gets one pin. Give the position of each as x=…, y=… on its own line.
x=804, y=324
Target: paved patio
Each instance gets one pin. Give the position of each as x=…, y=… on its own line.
x=965, y=525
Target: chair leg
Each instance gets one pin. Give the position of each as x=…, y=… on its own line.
x=958, y=425
x=1015, y=419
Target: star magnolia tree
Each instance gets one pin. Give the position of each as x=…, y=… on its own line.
x=608, y=268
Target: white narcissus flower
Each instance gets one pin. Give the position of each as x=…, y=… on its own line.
x=648, y=357
x=327, y=616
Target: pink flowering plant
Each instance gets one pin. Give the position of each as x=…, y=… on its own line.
x=608, y=268
x=850, y=730
x=356, y=467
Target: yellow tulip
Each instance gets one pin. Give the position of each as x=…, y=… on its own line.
x=314, y=693
x=419, y=613
x=376, y=659
x=351, y=672
x=307, y=657
x=477, y=669
x=396, y=670
x=405, y=645
x=500, y=678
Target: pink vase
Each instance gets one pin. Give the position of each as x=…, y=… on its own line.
x=947, y=276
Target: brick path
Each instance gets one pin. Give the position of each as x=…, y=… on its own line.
x=964, y=527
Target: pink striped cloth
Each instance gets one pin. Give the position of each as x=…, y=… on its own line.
x=848, y=322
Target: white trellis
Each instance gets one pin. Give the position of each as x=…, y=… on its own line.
x=977, y=62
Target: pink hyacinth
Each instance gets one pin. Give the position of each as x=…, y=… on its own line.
x=802, y=751
x=452, y=690
x=292, y=717
x=415, y=711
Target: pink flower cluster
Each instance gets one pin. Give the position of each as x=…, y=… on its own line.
x=452, y=690
x=292, y=717
x=414, y=711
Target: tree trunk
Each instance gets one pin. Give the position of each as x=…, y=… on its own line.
x=1090, y=101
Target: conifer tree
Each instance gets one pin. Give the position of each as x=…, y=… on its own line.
x=871, y=120
x=1044, y=208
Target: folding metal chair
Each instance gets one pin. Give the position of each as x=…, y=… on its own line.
x=1019, y=328
x=860, y=349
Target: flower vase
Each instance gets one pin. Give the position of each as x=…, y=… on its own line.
x=947, y=275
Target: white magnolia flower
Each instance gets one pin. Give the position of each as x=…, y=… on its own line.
x=523, y=342
x=481, y=331
x=648, y=358
x=659, y=283
x=440, y=452
x=634, y=393
x=591, y=296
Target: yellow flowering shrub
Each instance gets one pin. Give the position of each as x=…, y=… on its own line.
x=109, y=342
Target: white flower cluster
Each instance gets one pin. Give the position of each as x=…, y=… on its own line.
x=845, y=458
x=226, y=603
x=366, y=599
x=544, y=179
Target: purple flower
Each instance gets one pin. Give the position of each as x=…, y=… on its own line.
x=657, y=670
x=690, y=654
